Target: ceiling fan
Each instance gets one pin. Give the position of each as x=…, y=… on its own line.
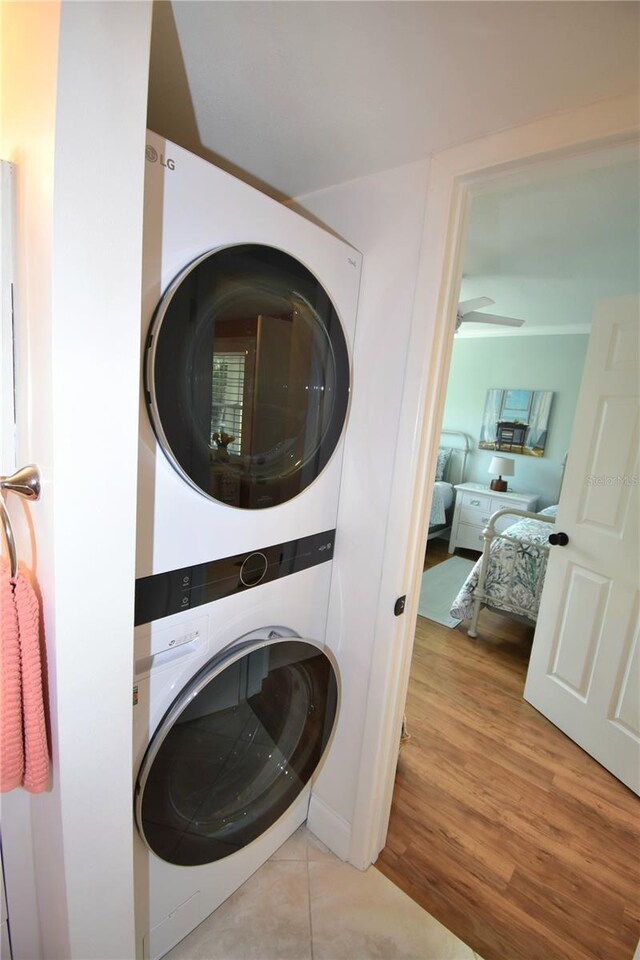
x=467, y=313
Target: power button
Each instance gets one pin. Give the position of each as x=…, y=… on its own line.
x=253, y=569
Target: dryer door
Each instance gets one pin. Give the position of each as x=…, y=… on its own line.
x=235, y=749
x=247, y=376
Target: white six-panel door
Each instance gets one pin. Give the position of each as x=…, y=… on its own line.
x=584, y=668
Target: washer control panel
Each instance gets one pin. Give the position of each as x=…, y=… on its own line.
x=167, y=593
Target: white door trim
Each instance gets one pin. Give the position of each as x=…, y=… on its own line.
x=454, y=175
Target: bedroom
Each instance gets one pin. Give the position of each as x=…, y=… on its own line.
x=546, y=248
x=545, y=260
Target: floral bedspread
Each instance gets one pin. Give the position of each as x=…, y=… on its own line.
x=440, y=503
x=515, y=574
x=438, y=514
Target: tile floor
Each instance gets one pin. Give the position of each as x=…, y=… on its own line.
x=305, y=904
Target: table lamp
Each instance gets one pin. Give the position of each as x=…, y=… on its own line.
x=503, y=466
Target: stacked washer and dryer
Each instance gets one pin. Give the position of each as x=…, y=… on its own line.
x=248, y=324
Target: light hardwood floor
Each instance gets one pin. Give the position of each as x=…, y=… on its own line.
x=501, y=827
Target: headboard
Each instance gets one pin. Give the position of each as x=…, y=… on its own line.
x=460, y=445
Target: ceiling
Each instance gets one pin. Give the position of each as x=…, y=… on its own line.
x=296, y=96
x=547, y=245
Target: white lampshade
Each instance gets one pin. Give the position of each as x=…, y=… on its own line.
x=502, y=467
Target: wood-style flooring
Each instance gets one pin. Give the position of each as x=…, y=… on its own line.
x=501, y=827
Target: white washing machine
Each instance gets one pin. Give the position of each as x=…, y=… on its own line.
x=234, y=708
x=248, y=323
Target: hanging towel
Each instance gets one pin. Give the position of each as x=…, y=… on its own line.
x=11, y=742
x=24, y=757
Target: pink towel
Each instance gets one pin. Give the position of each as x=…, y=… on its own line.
x=11, y=743
x=24, y=755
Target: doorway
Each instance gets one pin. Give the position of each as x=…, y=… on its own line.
x=546, y=249
x=479, y=801
x=452, y=177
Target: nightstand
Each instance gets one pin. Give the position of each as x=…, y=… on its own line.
x=474, y=505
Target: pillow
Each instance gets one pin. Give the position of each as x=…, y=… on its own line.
x=441, y=464
x=550, y=511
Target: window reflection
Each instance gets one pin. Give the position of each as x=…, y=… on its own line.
x=227, y=400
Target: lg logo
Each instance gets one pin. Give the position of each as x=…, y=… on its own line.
x=152, y=156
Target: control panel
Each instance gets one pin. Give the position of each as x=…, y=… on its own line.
x=167, y=593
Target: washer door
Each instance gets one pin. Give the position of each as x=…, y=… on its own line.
x=247, y=376
x=235, y=749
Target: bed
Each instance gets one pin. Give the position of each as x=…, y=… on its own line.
x=450, y=470
x=509, y=575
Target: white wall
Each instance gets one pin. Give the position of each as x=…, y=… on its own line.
x=74, y=110
x=30, y=34
x=382, y=215
x=530, y=363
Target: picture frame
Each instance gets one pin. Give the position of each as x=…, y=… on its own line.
x=516, y=420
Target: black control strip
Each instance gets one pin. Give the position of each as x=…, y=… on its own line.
x=163, y=594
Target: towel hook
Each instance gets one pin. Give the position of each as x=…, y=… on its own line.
x=26, y=483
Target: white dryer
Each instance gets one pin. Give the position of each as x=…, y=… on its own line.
x=248, y=323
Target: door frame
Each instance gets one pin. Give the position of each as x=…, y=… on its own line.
x=454, y=175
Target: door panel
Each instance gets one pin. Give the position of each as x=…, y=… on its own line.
x=254, y=426
x=583, y=673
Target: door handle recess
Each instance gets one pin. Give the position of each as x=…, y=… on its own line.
x=558, y=539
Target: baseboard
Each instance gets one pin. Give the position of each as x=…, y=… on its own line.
x=329, y=827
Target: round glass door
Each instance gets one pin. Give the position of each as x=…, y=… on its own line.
x=247, y=376
x=235, y=750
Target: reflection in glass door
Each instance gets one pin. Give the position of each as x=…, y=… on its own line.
x=247, y=376
x=227, y=400
x=236, y=748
